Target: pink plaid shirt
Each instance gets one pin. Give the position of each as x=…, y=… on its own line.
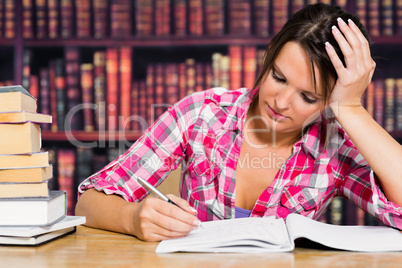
x=204, y=132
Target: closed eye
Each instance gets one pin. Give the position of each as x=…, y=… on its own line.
x=277, y=78
x=308, y=99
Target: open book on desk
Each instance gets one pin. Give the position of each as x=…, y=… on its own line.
x=274, y=235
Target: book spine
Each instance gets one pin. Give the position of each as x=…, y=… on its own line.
x=240, y=17
x=27, y=18
x=87, y=95
x=162, y=17
x=66, y=18
x=53, y=98
x=134, y=98
x=216, y=62
x=100, y=14
x=60, y=83
x=120, y=18
x=159, y=91
x=144, y=17
x=53, y=18
x=172, y=83
x=142, y=105
x=214, y=17
x=361, y=11
x=66, y=169
x=249, y=66
x=374, y=17
x=44, y=95
x=398, y=17
x=190, y=74
x=261, y=17
x=398, y=103
x=150, y=95
x=280, y=14
x=379, y=101
x=389, y=104
x=1, y=18
x=112, y=85
x=34, y=86
x=41, y=22
x=125, y=87
x=100, y=89
x=26, y=67
x=182, y=80
x=180, y=17
x=83, y=13
x=260, y=58
x=196, y=17
x=297, y=5
x=341, y=3
x=9, y=16
x=224, y=72
x=208, y=75
x=72, y=70
x=235, y=54
x=387, y=18
x=199, y=77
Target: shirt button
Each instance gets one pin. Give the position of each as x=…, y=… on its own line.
x=300, y=198
x=270, y=190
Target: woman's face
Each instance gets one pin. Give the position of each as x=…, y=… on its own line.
x=288, y=100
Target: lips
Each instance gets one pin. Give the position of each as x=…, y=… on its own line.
x=275, y=115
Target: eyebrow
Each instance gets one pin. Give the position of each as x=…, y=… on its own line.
x=276, y=69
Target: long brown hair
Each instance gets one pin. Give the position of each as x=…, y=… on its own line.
x=311, y=27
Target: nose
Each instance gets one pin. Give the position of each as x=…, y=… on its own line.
x=284, y=98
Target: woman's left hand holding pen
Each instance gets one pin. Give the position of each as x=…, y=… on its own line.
x=156, y=220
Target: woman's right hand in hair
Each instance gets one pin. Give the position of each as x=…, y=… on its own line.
x=156, y=220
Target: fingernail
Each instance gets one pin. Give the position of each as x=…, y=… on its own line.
x=193, y=210
x=196, y=223
x=328, y=45
x=340, y=21
x=351, y=22
x=335, y=29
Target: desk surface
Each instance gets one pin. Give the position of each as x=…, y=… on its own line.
x=97, y=248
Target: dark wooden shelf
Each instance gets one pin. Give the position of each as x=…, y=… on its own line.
x=177, y=41
x=7, y=42
x=90, y=136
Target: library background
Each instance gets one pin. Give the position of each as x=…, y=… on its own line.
x=109, y=68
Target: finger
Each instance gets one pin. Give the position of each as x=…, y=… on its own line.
x=353, y=47
x=346, y=49
x=363, y=41
x=336, y=62
x=177, y=213
x=182, y=204
x=171, y=226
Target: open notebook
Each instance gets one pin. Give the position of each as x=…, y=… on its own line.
x=274, y=235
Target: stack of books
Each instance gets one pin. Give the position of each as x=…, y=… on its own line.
x=30, y=214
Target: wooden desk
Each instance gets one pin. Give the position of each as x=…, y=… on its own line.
x=96, y=248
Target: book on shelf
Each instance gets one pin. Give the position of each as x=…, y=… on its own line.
x=120, y=18
x=214, y=17
x=83, y=18
x=125, y=69
x=37, y=235
x=41, y=21
x=26, y=67
x=87, y=95
x=262, y=17
x=33, y=211
x=112, y=87
x=9, y=18
x=72, y=73
x=20, y=138
x=100, y=89
x=66, y=18
x=196, y=17
x=16, y=101
x=20, y=190
x=26, y=175
x=44, y=94
x=53, y=18
x=180, y=17
x=279, y=14
x=144, y=17
x=53, y=97
x=22, y=117
x=34, y=160
x=100, y=18
x=162, y=17
x=258, y=235
x=66, y=170
x=240, y=17
x=60, y=90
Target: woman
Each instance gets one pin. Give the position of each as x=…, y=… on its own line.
x=290, y=145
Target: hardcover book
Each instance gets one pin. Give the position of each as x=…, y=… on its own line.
x=20, y=138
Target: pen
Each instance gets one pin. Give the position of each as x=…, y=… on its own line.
x=157, y=193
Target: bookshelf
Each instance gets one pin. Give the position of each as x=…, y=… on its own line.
x=153, y=45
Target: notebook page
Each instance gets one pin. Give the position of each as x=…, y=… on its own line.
x=235, y=235
x=354, y=238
